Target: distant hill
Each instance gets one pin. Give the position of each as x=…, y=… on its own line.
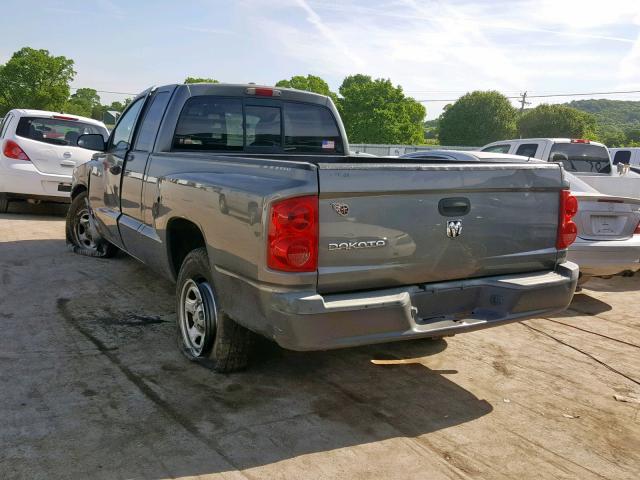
x=620, y=114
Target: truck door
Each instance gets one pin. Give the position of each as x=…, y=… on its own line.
x=104, y=183
x=132, y=226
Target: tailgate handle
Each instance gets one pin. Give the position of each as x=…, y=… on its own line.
x=454, y=206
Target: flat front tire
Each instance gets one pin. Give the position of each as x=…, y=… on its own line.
x=81, y=236
x=205, y=333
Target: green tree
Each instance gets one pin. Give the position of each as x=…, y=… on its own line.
x=611, y=136
x=557, y=121
x=310, y=83
x=200, y=80
x=85, y=102
x=477, y=118
x=374, y=111
x=35, y=79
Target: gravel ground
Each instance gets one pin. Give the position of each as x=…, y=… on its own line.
x=92, y=386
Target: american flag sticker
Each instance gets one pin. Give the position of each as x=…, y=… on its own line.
x=329, y=144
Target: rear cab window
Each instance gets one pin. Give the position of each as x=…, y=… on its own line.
x=211, y=123
x=581, y=157
x=503, y=148
x=56, y=131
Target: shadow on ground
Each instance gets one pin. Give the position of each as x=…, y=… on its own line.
x=97, y=386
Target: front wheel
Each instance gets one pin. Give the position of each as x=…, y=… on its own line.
x=205, y=333
x=81, y=234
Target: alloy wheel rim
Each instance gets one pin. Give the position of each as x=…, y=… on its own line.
x=83, y=230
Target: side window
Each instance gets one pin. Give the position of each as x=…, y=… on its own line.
x=121, y=138
x=210, y=123
x=151, y=122
x=527, y=149
x=504, y=148
x=310, y=129
x=264, y=126
x=5, y=125
x=622, y=156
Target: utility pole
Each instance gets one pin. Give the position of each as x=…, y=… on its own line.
x=523, y=101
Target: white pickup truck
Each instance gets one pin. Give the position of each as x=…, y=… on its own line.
x=587, y=159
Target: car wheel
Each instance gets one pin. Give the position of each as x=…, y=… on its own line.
x=205, y=333
x=4, y=203
x=81, y=236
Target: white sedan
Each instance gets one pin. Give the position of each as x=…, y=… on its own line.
x=608, y=240
x=39, y=151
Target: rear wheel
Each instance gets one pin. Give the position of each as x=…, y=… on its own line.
x=4, y=203
x=205, y=333
x=81, y=235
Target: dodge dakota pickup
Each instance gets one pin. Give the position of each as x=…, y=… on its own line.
x=246, y=197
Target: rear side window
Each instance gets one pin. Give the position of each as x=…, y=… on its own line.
x=56, y=131
x=151, y=122
x=310, y=129
x=4, y=125
x=581, y=157
x=498, y=148
x=527, y=149
x=622, y=156
x=210, y=123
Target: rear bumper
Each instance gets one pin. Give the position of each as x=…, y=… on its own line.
x=606, y=257
x=21, y=179
x=320, y=322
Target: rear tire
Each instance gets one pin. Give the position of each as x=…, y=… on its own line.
x=205, y=333
x=81, y=238
x=4, y=203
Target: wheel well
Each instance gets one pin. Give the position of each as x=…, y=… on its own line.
x=77, y=191
x=183, y=236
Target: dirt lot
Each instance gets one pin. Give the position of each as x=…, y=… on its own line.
x=92, y=386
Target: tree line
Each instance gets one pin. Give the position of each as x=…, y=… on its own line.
x=373, y=110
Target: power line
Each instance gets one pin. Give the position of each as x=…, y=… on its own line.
x=582, y=94
x=106, y=91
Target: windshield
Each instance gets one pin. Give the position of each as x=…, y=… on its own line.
x=56, y=131
x=581, y=157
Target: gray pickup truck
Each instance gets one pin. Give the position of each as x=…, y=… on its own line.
x=245, y=196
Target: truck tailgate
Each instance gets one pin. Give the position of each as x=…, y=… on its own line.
x=393, y=224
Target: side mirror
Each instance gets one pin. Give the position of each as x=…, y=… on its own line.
x=92, y=141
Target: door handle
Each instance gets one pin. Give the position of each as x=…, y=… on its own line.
x=454, y=206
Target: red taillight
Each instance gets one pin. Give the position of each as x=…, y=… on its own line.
x=580, y=140
x=12, y=150
x=64, y=117
x=567, y=230
x=263, y=92
x=293, y=235
x=637, y=230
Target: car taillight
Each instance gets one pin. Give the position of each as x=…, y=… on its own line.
x=293, y=235
x=567, y=229
x=263, y=91
x=12, y=150
x=637, y=230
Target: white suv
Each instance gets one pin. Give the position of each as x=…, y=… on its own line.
x=38, y=152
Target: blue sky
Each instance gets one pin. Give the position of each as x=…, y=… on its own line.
x=434, y=49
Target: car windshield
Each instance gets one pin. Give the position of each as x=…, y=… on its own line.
x=581, y=157
x=56, y=131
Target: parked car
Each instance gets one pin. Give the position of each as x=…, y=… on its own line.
x=39, y=152
x=608, y=240
x=626, y=156
x=343, y=250
x=576, y=155
x=585, y=158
